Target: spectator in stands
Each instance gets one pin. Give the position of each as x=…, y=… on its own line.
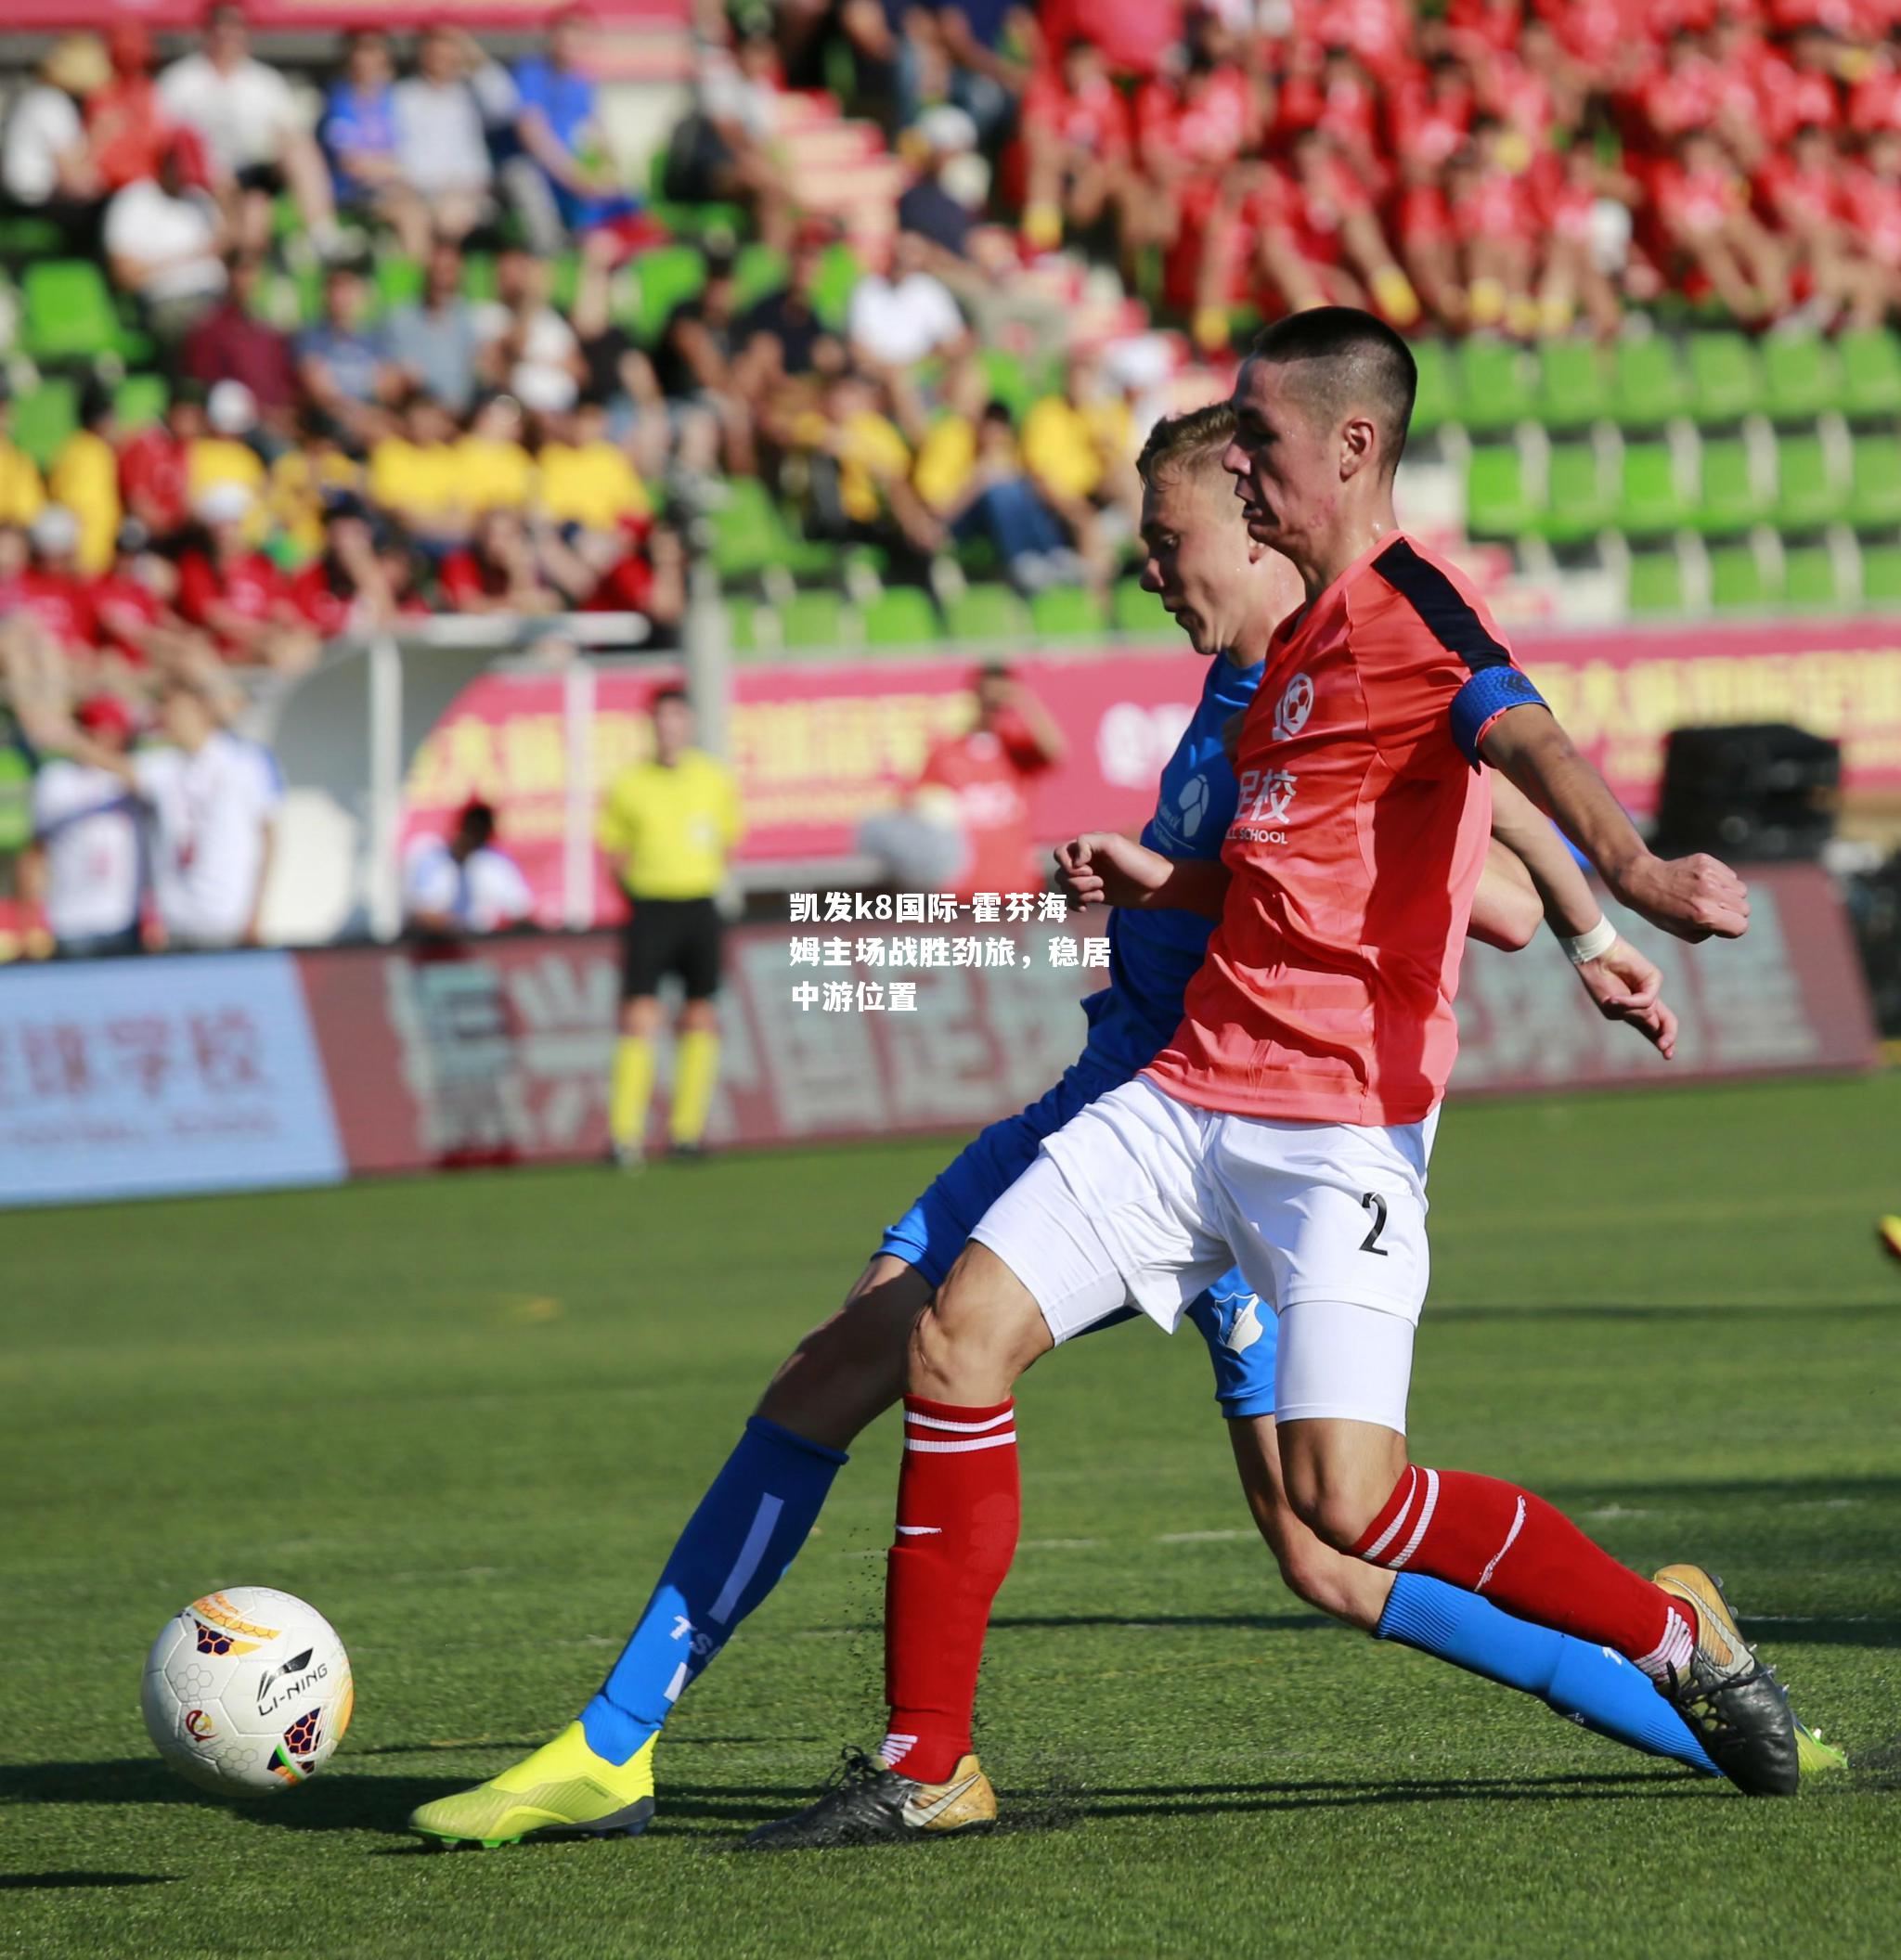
x=693, y=365
x=464, y=886
x=343, y=366
x=21, y=492
x=438, y=342
x=55, y=591
x=722, y=149
x=343, y=587
x=128, y=128
x=233, y=343
x=223, y=453
x=569, y=184
x=85, y=867
x=857, y=469
x=85, y=478
x=587, y=479
x=648, y=577
x=531, y=350
x=493, y=465
x=413, y=475
x=139, y=625
x=617, y=370
x=962, y=52
x=165, y=244
x=442, y=115
x=237, y=595
x=902, y=317
x=1803, y=188
x=254, y=137
x=1080, y=449
x=48, y=164
x=971, y=476
x=154, y=475
x=358, y=136
x=1078, y=150
x=782, y=334
x=943, y=202
x=499, y=570
x=1703, y=205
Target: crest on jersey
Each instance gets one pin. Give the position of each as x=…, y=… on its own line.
x=1192, y=804
x=1297, y=704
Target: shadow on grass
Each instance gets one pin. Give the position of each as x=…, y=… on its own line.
x=77, y=1881
x=1250, y=1622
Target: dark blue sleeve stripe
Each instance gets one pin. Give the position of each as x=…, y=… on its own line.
x=1436, y=600
x=1483, y=699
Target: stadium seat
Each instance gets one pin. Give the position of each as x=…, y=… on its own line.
x=1800, y=379
x=44, y=417
x=1573, y=386
x=814, y=621
x=1008, y=380
x=399, y=280
x=751, y=535
x=1497, y=386
x=1649, y=503
x=759, y=269
x=987, y=612
x=140, y=399
x=1576, y=505
x=665, y=275
x=1870, y=372
x=1874, y=497
x=839, y=271
x=1736, y=579
x=1437, y=400
x=1881, y=574
x=1731, y=501
x=1498, y=503
x=1808, y=578
x=1651, y=388
x=1806, y=494
x=1655, y=582
x=1132, y=610
x=68, y=315
x=1066, y=613
x=1725, y=381
x=901, y=616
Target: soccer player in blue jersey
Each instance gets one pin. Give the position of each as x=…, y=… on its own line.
x=1227, y=593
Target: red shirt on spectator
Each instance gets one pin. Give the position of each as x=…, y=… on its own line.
x=250, y=585
x=1695, y=201
x=1430, y=124
x=1788, y=97
x=129, y=133
x=988, y=771
x=313, y=595
x=1799, y=197
x=61, y=603
x=1133, y=34
x=1875, y=102
x=227, y=344
x=626, y=586
x=463, y=576
x=124, y=608
x=1094, y=118
x=152, y=479
x=1376, y=31
x=1871, y=202
x=1205, y=125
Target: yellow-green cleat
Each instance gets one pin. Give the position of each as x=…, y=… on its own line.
x=1815, y=1756
x=563, y=1789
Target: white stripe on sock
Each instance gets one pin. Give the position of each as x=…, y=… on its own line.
x=1379, y=1544
x=1672, y=1653
x=920, y=1531
x=1518, y=1525
x=750, y=1553
x=894, y=1748
x=939, y=1422
x=1425, y=1518
x=981, y=1442
x=678, y=1685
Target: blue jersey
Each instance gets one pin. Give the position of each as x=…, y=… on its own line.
x=1154, y=955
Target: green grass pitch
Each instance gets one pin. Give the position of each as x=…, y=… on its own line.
x=466, y=1416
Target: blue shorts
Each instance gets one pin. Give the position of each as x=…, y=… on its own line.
x=1238, y=1327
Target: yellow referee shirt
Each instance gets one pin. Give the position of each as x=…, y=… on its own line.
x=670, y=829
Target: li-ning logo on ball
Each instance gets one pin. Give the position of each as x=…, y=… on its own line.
x=1297, y=704
x=1266, y=800
x=274, y=1690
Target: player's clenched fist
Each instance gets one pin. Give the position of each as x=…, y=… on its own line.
x=1105, y=868
x=1692, y=898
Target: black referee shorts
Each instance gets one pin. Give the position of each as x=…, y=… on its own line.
x=672, y=935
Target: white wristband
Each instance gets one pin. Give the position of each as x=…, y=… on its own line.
x=1592, y=945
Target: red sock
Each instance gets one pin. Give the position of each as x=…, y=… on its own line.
x=1494, y=1538
x=958, y=1512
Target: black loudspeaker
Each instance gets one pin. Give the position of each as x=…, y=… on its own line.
x=1874, y=907
x=1759, y=792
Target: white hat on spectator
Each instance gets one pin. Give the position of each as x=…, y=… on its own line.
x=225, y=503
x=55, y=531
x=543, y=388
x=947, y=130
x=232, y=408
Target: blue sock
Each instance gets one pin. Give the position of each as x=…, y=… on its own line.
x=735, y=1548
x=1589, y=1685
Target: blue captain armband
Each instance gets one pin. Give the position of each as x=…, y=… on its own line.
x=1483, y=699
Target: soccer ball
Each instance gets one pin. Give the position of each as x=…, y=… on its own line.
x=247, y=1692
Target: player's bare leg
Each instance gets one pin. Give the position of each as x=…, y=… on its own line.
x=850, y=1369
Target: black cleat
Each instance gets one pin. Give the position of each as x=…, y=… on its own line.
x=1734, y=1704
x=866, y=1803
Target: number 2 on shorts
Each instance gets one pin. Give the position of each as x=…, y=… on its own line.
x=1371, y=1201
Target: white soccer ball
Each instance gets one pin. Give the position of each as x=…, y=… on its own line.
x=247, y=1692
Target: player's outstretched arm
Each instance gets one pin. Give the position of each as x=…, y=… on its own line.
x=1105, y=868
x=1691, y=897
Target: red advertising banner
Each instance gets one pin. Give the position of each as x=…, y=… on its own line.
x=819, y=745
x=500, y=1054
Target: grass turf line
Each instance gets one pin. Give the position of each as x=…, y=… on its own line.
x=466, y=1416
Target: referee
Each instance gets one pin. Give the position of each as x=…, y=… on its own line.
x=669, y=824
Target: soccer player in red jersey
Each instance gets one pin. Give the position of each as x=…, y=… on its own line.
x=1287, y=1124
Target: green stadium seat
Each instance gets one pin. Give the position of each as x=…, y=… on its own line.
x=69, y=316
x=1655, y=582
x=140, y=400
x=987, y=612
x=1651, y=387
x=1648, y=503
x=813, y=621
x=742, y=624
x=1132, y=610
x=1573, y=386
x=1008, y=382
x=665, y=275
x=564, y=281
x=751, y=535
x=1736, y=579
x=1874, y=497
x=44, y=417
x=399, y=280
x=1576, y=504
x=1437, y=400
x=1498, y=503
x=1066, y=612
x=1726, y=383
x=1870, y=372
x=1808, y=578
x=759, y=269
x=1881, y=574
x=478, y=275
x=1497, y=385
x=1806, y=494
x=839, y=271
x=1802, y=380
x=1730, y=499
x=23, y=236
x=901, y=616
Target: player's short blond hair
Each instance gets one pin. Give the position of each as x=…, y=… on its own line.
x=1187, y=445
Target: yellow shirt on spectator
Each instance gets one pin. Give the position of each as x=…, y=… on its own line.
x=416, y=480
x=1068, y=447
x=298, y=480
x=945, y=460
x=670, y=828
x=592, y=484
x=21, y=497
x=212, y=459
x=85, y=479
x=496, y=476
x=871, y=450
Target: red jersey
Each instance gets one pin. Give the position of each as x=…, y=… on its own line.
x=250, y=586
x=153, y=480
x=988, y=770
x=61, y=603
x=1327, y=995
x=1094, y=118
x=125, y=609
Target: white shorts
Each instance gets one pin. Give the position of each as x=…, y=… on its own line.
x=1141, y=1201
